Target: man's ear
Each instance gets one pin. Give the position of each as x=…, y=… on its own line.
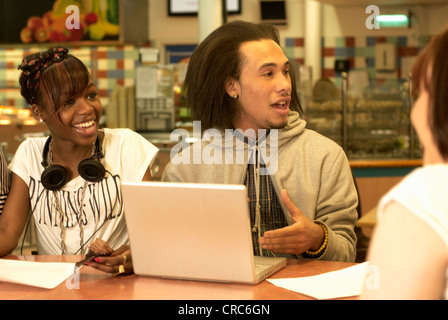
x=233, y=88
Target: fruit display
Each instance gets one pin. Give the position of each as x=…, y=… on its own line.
x=95, y=20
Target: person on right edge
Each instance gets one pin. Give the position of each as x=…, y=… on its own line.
x=408, y=254
x=302, y=197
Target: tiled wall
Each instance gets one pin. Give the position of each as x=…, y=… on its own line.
x=294, y=49
x=359, y=51
x=110, y=66
x=115, y=65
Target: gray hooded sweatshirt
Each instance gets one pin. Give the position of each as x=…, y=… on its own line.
x=312, y=168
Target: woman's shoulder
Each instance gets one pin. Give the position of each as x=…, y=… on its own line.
x=127, y=139
x=32, y=143
x=123, y=135
x=117, y=132
x=29, y=152
x=422, y=192
x=421, y=182
x=429, y=176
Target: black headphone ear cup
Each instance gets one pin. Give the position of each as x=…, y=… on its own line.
x=54, y=177
x=91, y=170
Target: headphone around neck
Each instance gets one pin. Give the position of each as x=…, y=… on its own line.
x=55, y=177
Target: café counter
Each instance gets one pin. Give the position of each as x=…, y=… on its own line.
x=374, y=178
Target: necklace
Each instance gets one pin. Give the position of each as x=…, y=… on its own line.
x=57, y=205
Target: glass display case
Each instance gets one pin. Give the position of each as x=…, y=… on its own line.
x=373, y=125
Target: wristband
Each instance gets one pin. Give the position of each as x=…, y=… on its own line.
x=320, y=251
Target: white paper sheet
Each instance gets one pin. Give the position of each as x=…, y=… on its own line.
x=347, y=282
x=46, y=275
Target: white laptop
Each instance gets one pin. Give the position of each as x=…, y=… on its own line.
x=194, y=232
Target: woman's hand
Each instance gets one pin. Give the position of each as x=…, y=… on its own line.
x=119, y=262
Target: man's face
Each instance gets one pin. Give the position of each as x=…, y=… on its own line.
x=264, y=87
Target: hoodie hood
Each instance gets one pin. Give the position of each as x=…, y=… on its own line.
x=233, y=146
x=294, y=127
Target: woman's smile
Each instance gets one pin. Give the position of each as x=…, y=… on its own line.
x=86, y=128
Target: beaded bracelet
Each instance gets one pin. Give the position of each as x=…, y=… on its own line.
x=319, y=252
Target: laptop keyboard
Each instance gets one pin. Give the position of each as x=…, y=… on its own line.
x=262, y=268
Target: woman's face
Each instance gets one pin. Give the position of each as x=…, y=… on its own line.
x=78, y=119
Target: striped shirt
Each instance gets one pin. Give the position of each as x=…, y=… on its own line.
x=271, y=213
x=4, y=181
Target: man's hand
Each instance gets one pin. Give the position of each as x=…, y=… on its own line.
x=301, y=235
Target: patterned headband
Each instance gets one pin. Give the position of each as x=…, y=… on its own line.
x=33, y=65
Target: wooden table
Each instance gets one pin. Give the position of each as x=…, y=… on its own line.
x=96, y=285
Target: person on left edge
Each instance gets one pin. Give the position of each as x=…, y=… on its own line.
x=4, y=180
x=70, y=181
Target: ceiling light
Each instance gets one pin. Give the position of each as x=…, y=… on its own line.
x=393, y=20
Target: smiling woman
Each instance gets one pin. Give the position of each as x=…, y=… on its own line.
x=61, y=93
x=70, y=181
